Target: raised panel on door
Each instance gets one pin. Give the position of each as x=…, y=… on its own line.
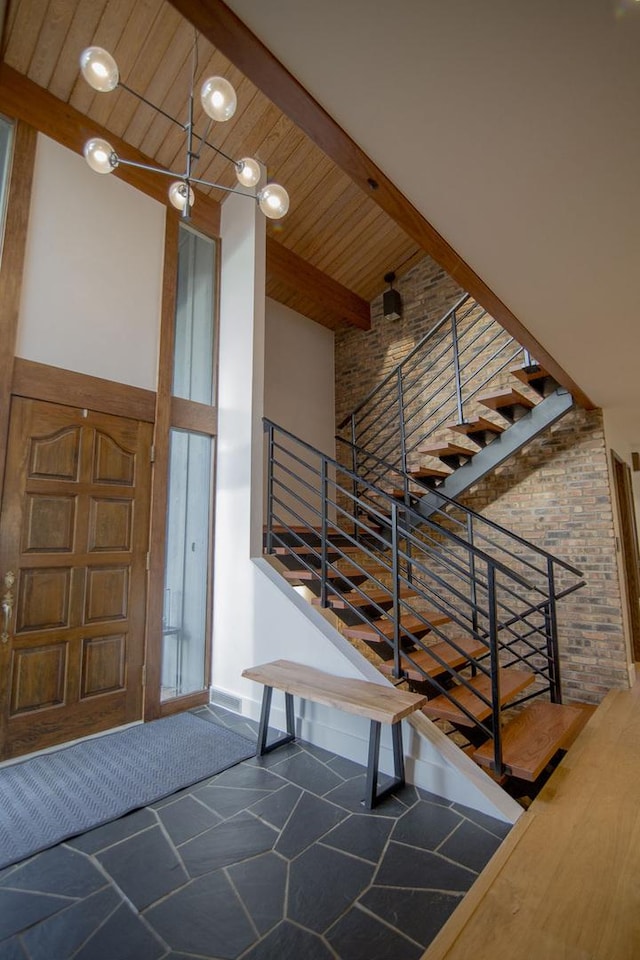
x=73, y=537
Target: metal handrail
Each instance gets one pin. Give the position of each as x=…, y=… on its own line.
x=483, y=596
x=431, y=333
x=388, y=467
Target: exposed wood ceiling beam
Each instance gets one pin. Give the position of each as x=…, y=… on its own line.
x=25, y=100
x=287, y=267
x=228, y=33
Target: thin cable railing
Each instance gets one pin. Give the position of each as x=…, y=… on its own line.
x=437, y=580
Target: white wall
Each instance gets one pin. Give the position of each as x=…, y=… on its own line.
x=299, y=396
x=93, y=276
x=299, y=391
x=257, y=616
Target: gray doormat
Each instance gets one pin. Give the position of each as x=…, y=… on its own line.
x=58, y=795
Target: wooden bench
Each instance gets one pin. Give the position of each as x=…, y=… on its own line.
x=380, y=704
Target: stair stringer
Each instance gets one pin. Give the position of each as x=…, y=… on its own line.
x=523, y=431
x=433, y=761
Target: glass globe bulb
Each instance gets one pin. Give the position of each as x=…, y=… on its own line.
x=248, y=172
x=178, y=195
x=218, y=99
x=100, y=155
x=273, y=200
x=99, y=69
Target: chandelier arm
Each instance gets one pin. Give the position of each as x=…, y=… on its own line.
x=147, y=166
x=221, y=186
x=159, y=110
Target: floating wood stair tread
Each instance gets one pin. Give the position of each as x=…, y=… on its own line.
x=428, y=663
x=447, y=450
x=348, y=572
x=511, y=683
x=510, y=398
x=383, y=628
x=313, y=550
x=532, y=737
x=423, y=473
x=398, y=494
x=353, y=598
x=476, y=425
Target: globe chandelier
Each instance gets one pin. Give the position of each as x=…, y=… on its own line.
x=218, y=99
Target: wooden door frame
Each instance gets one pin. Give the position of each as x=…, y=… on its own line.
x=629, y=545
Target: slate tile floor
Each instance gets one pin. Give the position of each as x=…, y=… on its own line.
x=274, y=859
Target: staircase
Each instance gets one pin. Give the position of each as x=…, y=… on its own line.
x=444, y=601
x=450, y=605
x=453, y=410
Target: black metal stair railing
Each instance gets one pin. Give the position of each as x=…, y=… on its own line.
x=455, y=574
x=434, y=386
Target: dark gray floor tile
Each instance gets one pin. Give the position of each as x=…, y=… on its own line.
x=322, y=884
x=358, y=936
x=470, y=845
x=426, y=825
x=497, y=827
x=433, y=798
x=20, y=909
x=243, y=775
x=186, y=818
x=422, y=870
x=308, y=773
x=261, y=885
x=362, y=836
x=418, y=914
x=58, y=870
x=346, y=768
x=350, y=795
x=407, y=795
x=237, y=839
x=311, y=819
x=205, y=918
x=288, y=942
x=145, y=867
x=227, y=801
x=12, y=950
x=110, y=833
x=275, y=758
x=123, y=937
x=277, y=807
x=324, y=756
x=61, y=935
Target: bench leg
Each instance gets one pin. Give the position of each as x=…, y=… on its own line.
x=373, y=795
x=262, y=746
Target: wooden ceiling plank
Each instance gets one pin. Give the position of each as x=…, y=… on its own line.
x=83, y=27
x=152, y=52
x=229, y=34
x=357, y=240
x=22, y=36
x=178, y=53
x=304, y=215
x=305, y=279
x=372, y=246
x=126, y=53
x=172, y=144
x=53, y=34
x=25, y=100
x=108, y=34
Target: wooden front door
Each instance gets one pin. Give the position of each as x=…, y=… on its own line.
x=73, y=544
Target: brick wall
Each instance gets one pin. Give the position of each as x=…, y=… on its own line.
x=555, y=492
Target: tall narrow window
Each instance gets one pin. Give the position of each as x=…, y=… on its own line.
x=6, y=131
x=187, y=585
